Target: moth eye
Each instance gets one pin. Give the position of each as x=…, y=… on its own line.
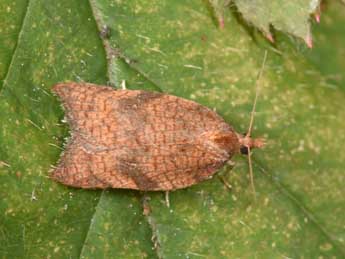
x=245, y=134
x=244, y=150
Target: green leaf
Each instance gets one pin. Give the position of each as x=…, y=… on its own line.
x=11, y=18
x=118, y=228
x=173, y=47
x=58, y=41
x=287, y=16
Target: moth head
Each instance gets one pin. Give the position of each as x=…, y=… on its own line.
x=247, y=143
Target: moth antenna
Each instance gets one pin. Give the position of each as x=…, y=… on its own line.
x=167, y=199
x=123, y=85
x=251, y=123
x=251, y=175
x=257, y=88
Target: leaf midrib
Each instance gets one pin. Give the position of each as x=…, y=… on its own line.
x=91, y=223
x=14, y=52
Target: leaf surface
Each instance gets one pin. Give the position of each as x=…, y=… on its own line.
x=174, y=47
x=288, y=16
x=58, y=41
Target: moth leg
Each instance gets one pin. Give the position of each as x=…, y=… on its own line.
x=225, y=182
x=231, y=163
x=167, y=200
x=145, y=203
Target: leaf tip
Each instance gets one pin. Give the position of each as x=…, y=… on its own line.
x=317, y=17
x=221, y=23
x=269, y=37
x=309, y=41
x=317, y=13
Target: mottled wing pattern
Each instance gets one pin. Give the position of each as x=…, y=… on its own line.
x=75, y=168
x=137, y=139
x=89, y=112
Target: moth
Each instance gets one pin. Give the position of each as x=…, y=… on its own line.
x=136, y=139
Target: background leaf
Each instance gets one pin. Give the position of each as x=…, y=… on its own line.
x=176, y=48
x=287, y=16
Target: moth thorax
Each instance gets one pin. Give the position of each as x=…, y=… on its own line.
x=226, y=141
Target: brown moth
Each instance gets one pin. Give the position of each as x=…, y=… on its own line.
x=142, y=140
